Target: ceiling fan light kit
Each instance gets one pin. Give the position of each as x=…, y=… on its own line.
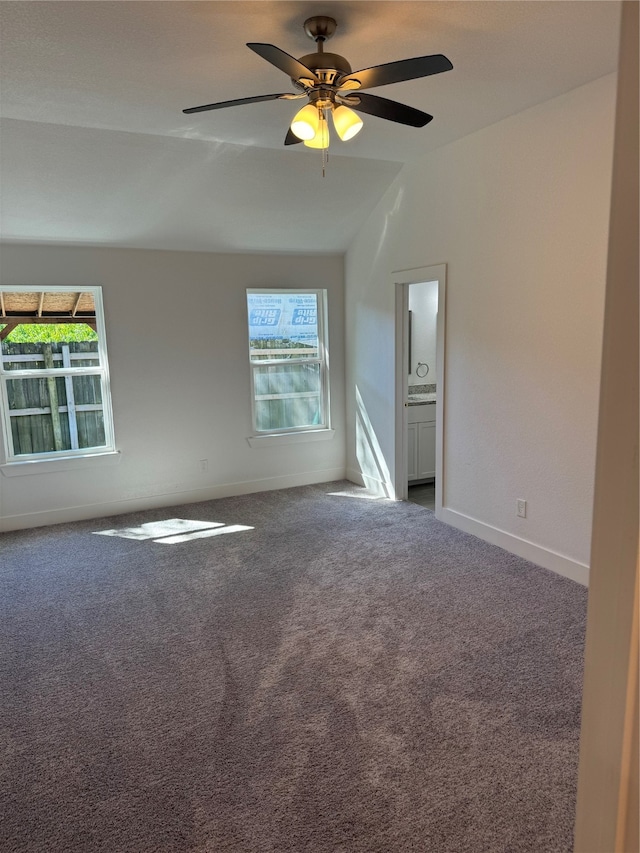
x=329, y=84
x=346, y=122
x=306, y=122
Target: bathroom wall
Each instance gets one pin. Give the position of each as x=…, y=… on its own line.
x=423, y=304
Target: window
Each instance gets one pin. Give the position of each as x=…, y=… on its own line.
x=54, y=377
x=288, y=357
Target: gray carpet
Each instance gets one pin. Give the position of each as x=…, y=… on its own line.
x=347, y=675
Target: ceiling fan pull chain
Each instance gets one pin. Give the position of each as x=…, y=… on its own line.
x=325, y=151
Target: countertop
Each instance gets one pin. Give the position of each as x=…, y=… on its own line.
x=421, y=399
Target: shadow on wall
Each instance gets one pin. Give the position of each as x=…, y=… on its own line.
x=373, y=466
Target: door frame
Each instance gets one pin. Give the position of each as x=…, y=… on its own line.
x=402, y=279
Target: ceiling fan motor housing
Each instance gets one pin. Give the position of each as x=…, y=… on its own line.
x=328, y=81
x=326, y=66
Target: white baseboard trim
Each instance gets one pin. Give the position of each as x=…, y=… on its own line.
x=372, y=484
x=168, y=498
x=537, y=554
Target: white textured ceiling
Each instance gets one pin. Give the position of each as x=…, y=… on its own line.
x=96, y=150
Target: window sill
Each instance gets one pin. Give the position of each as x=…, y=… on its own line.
x=275, y=439
x=52, y=466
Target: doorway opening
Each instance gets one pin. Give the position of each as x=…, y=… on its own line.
x=419, y=353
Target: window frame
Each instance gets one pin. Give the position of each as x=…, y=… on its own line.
x=322, y=360
x=101, y=370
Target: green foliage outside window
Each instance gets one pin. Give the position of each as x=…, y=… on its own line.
x=50, y=333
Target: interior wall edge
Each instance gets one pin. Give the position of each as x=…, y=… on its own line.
x=607, y=814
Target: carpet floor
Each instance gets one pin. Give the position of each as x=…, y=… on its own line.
x=299, y=670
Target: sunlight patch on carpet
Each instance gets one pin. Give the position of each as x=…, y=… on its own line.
x=363, y=495
x=173, y=531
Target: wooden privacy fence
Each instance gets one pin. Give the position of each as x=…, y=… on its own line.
x=53, y=412
x=288, y=389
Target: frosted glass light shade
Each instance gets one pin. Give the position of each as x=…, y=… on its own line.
x=321, y=139
x=346, y=122
x=305, y=122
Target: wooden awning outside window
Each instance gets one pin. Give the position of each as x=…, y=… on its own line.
x=43, y=307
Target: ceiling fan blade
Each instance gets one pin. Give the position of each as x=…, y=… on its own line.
x=296, y=70
x=384, y=108
x=396, y=72
x=291, y=138
x=222, y=104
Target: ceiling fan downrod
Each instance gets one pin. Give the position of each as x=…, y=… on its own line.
x=326, y=66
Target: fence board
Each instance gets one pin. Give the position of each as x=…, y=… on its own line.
x=53, y=413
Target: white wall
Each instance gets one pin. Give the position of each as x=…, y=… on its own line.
x=177, y=341
x=519, y=213
x=423, y=304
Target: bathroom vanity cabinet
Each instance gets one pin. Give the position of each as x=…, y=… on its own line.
x=422, y=442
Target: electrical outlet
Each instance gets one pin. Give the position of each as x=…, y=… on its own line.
x=521, y=508
x=204, y=465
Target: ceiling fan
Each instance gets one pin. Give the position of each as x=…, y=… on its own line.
x=330, y=86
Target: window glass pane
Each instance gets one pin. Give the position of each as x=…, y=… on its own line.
x=58, y=413
x=283, y=326
x=288, y=396
x=54, y=331
x=37, y=354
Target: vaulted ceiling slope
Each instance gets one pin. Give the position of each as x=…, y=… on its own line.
x=96, y=150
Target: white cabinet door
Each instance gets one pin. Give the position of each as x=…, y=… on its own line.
x=412, y=452
x=426, y=450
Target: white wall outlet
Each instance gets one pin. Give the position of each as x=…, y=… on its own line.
x=521, y=508
x=204, y=465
